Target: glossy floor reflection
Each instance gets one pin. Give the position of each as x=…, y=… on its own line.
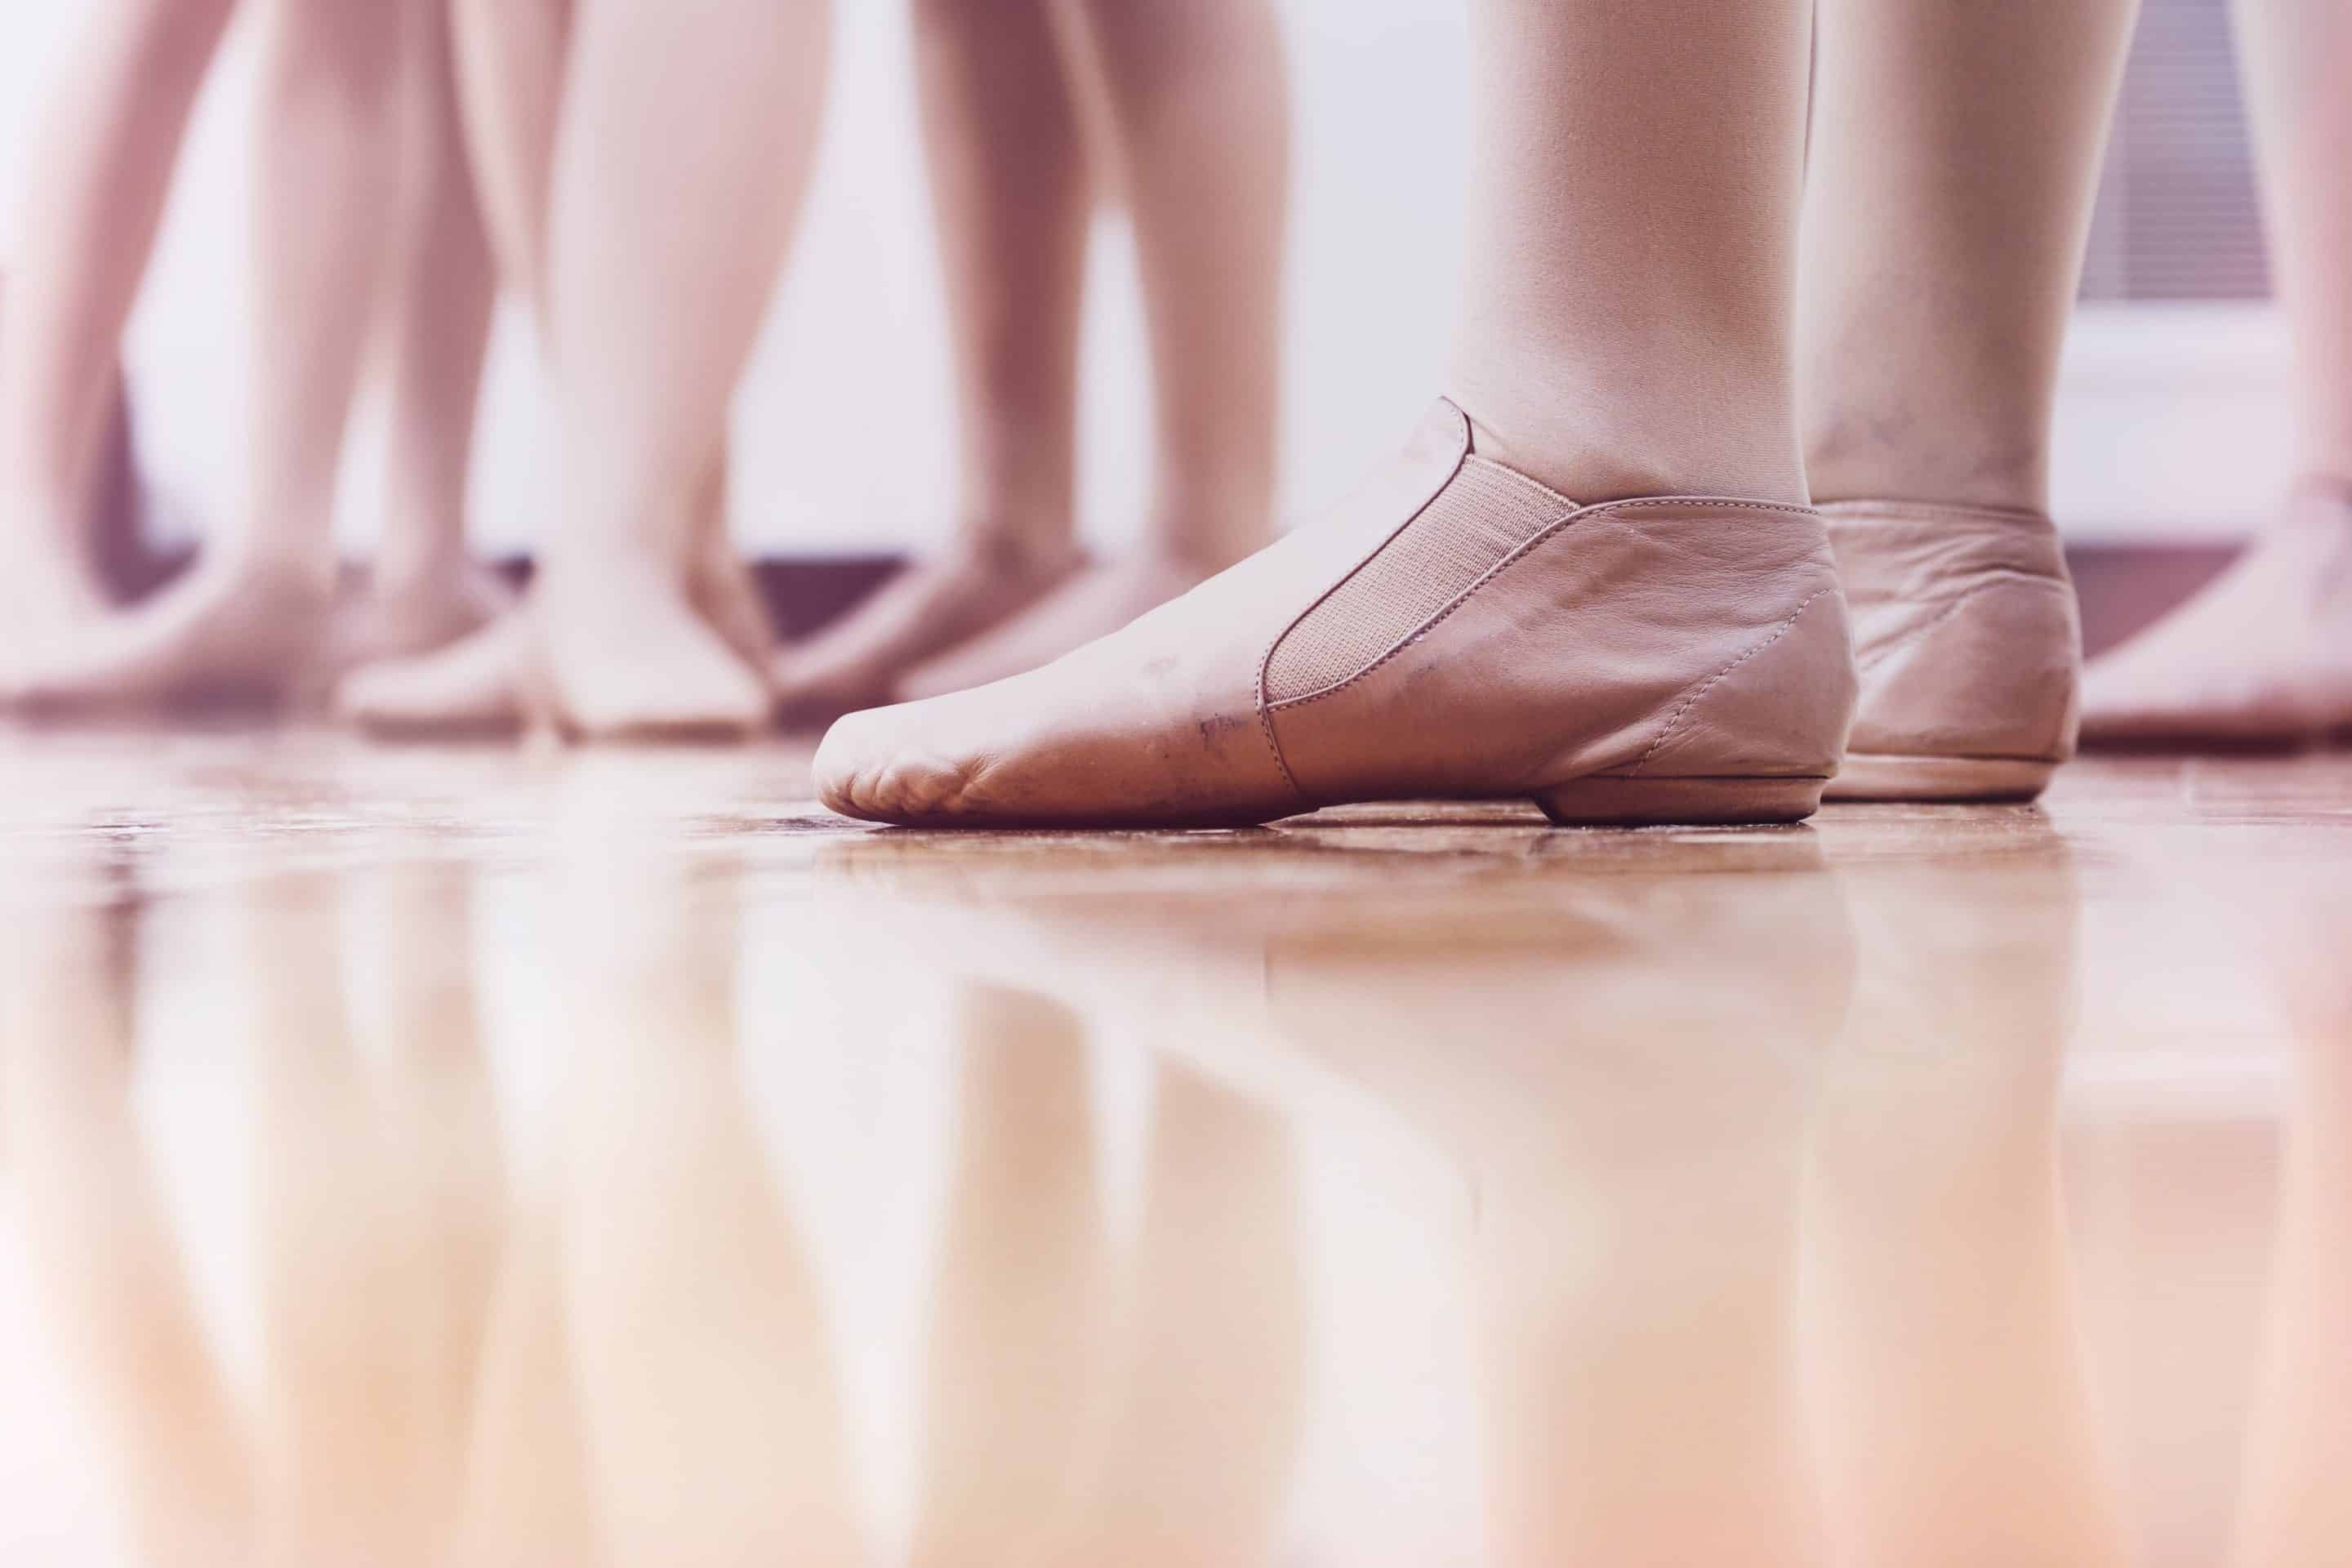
x=482, y=1158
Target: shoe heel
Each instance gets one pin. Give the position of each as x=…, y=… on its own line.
x=1603, y=800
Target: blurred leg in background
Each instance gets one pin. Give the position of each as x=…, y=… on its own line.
x=423, y=591
x=2263, y=655
x=1012, y=197
x=100, y=171
x=514, y=59
x=685, y=144
x=1196, y=123
x=252, y=616
x=1199, y=105
x=1955, y=156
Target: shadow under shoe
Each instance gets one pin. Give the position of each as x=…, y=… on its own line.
x=1970, y=648
x=1455, y=631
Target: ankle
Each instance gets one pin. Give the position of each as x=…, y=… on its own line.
x=416, y=570
x=1851, y=461
x=1605, y=470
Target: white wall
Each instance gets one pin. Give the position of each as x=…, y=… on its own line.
x=845, y=419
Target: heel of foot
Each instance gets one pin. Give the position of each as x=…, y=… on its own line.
x=1620, y=802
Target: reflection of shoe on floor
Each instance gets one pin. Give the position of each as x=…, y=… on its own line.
x=1967, y=640
x=1456, y=631
x=2263, y=656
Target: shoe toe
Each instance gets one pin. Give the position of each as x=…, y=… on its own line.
x=873, y=766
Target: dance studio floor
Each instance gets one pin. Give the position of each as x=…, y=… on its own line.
x=506, y=1158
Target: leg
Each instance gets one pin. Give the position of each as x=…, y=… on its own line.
x=1956, y=152
x=707, y=115
x=1198, y=104
x=2265, y=654
x=101, y=172
x=254, y=611
x=1626, y=341
x=1012, y=196
x=423, y=591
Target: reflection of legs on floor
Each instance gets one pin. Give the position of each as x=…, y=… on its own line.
x=705, y=1375
x=2294, y=1512
x=1206, y=1392
x=101, y=167
x=1635, y=1312
x=1623, y=1067
x=2265, y=654
x=1955, y=156
x=252, y=616
x=180, y=1469
x=375, y=1198
x=1017, y=1310
x=1952, y=1406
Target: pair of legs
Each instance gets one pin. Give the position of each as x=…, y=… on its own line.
x=1194, y=116
x=352, y=125
x=1635, y=332
x=641, y=167
x=2266, y=653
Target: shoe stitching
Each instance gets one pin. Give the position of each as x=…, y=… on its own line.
x=1266, y=725
x=1606, y=508
x=1675, y=721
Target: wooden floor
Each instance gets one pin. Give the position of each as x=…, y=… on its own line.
x=498, y=1157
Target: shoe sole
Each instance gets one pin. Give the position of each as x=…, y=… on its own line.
x=1682, y=802
x=1985, y=779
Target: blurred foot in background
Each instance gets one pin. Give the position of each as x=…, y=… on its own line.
x=1029, y=112
x=101, y=168
x=2263, y=656
x=351, y=91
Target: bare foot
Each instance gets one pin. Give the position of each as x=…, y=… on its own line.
x=403, y=620
x=227, y=630
x=1100, y=598
x=47, y=591
x=629, y=656
x=928, y=608
x=480, y=683
x=495, y=679
x=2263, y=656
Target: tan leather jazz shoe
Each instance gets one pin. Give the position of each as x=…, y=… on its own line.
x=2262, y=656
x=1970, y=651
x=1455, y=631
